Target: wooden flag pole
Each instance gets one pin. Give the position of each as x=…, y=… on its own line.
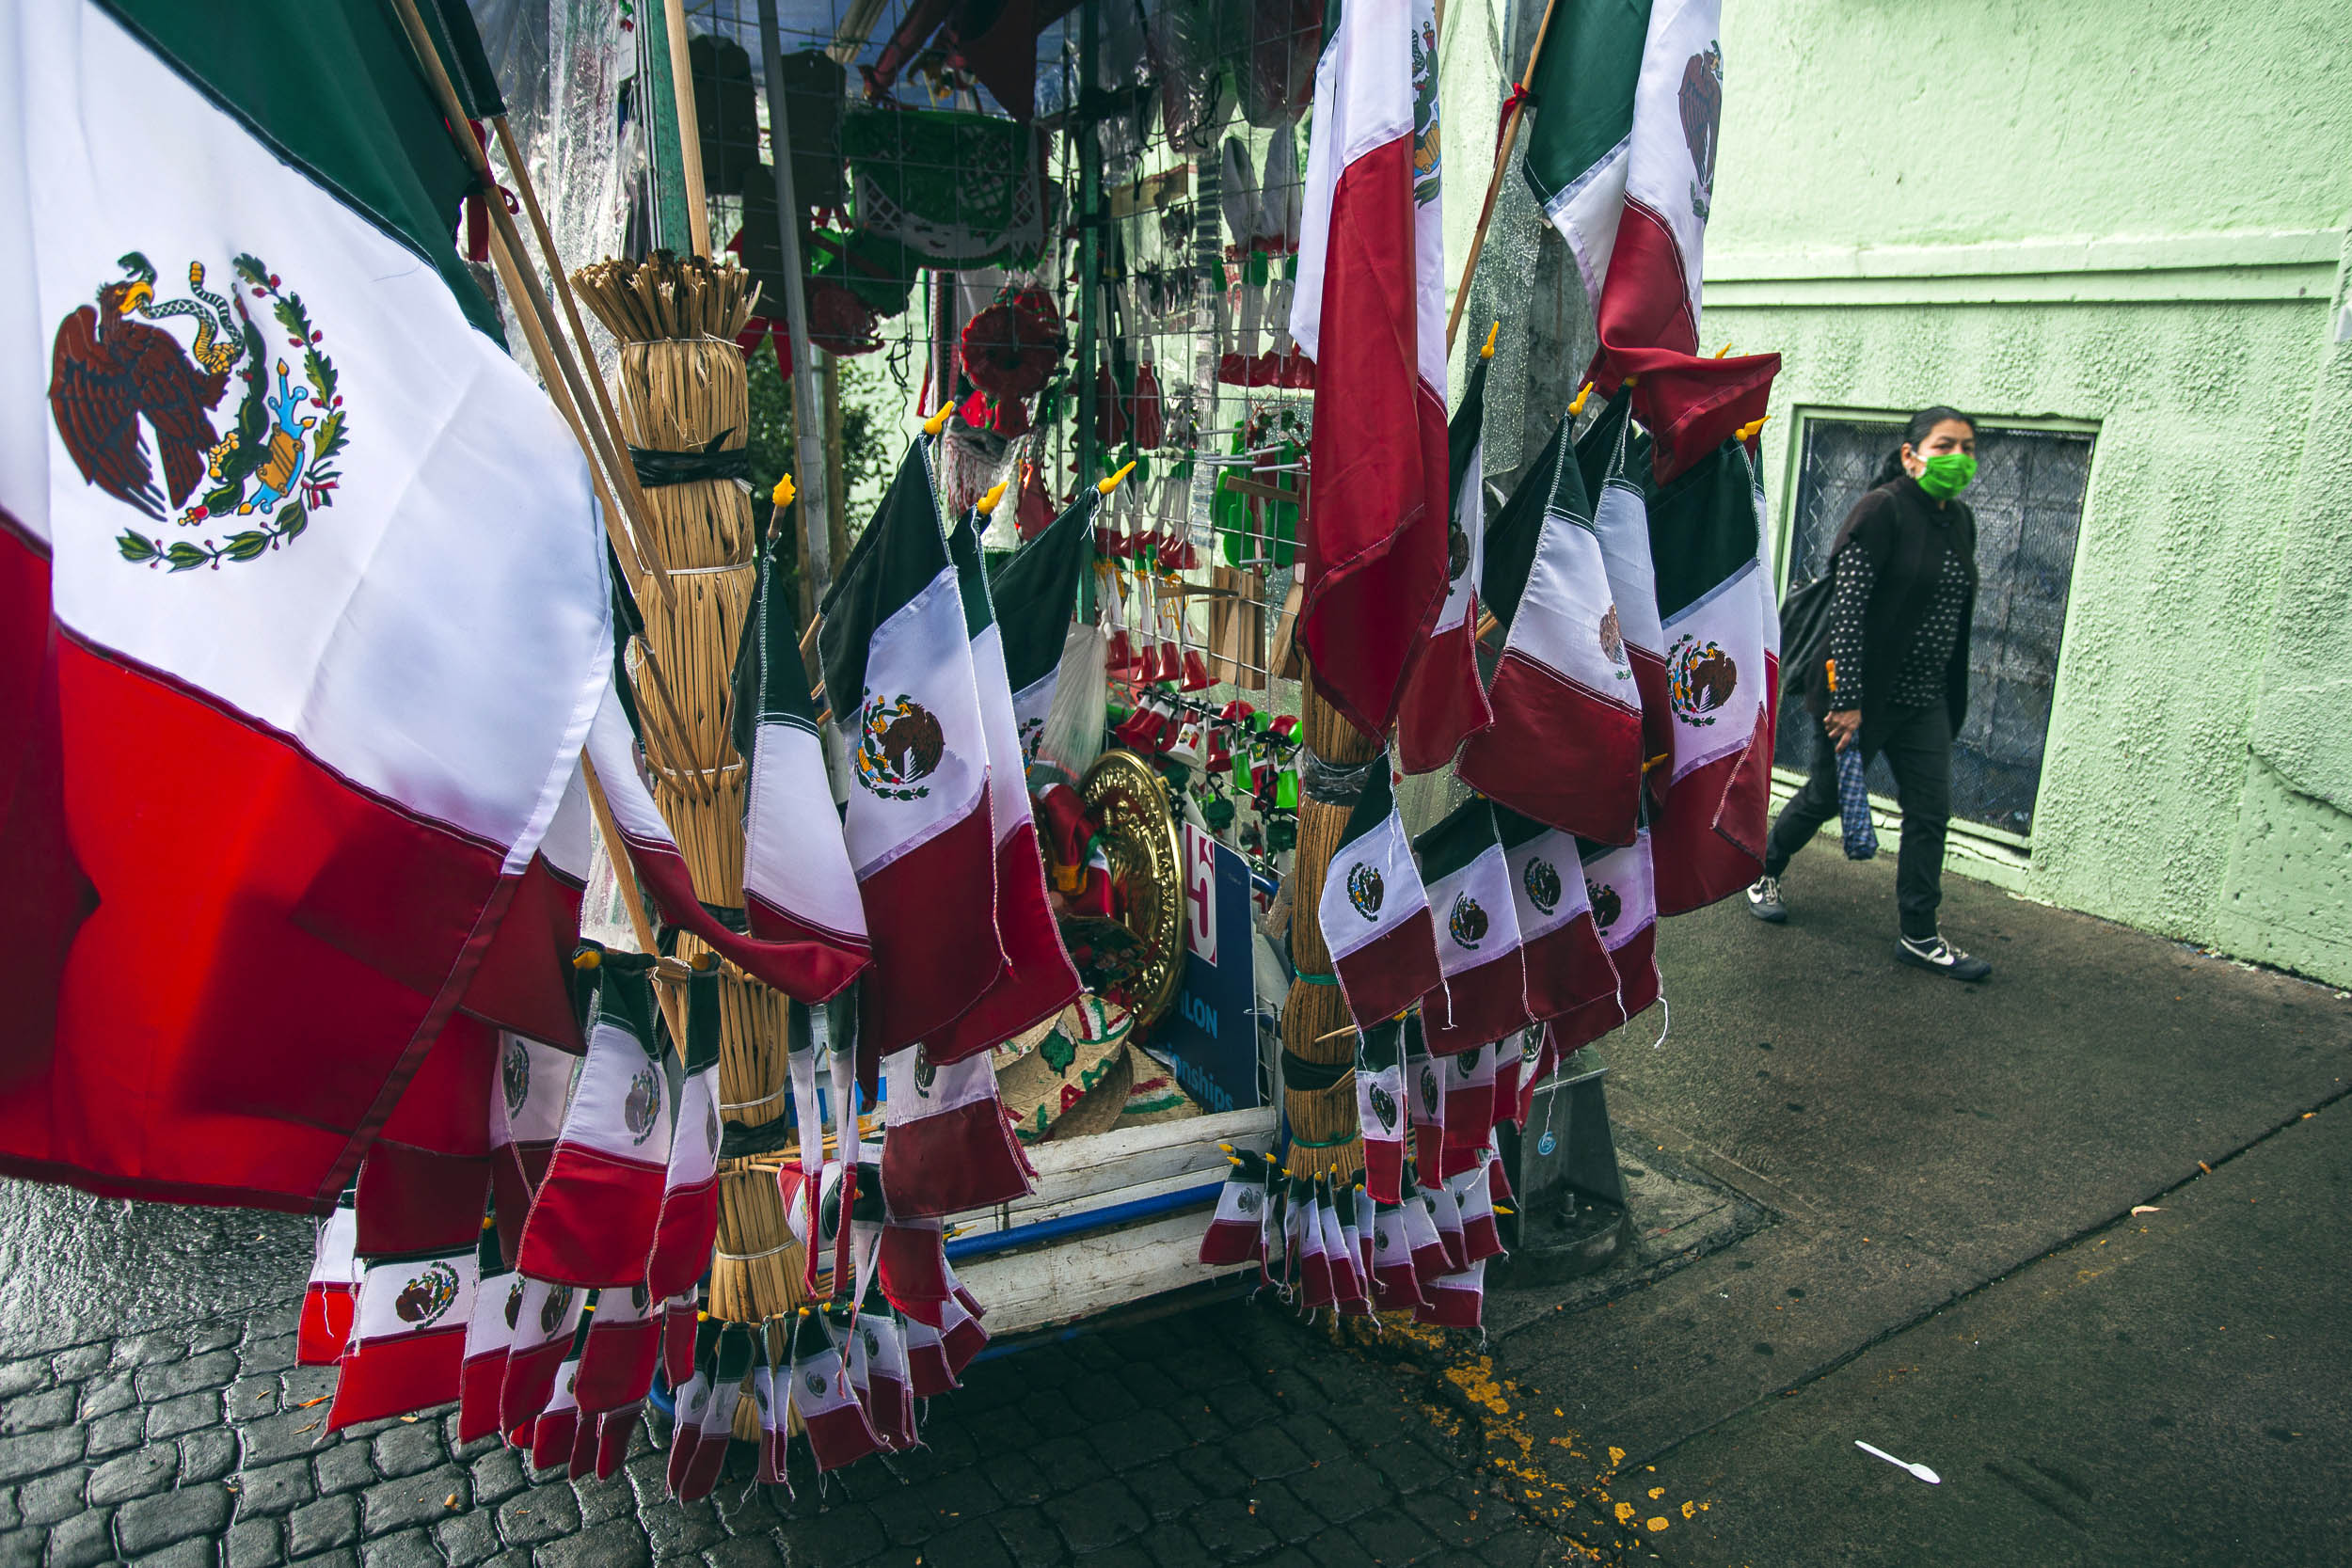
x=1509, y=139
x=625, y=871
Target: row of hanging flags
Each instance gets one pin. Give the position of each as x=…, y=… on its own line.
x=547, y=1317
x=528, y=1235
x=1627, y=683
x=1598, y=659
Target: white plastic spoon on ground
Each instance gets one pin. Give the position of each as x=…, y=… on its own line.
x=1920, y=1470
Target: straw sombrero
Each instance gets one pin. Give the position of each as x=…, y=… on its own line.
x=1046, y=1074
x=1154, y=1095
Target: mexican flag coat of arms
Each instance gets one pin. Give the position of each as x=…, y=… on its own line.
x=304, y=618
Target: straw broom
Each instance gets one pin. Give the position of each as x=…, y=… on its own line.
x=1316, y=1028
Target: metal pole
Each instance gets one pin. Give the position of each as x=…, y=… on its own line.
x=808, y=438
x=1090, y=238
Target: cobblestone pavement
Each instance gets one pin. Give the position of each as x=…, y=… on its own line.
x=1223, y=1434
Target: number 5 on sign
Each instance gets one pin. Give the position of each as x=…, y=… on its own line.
x=1200, y=893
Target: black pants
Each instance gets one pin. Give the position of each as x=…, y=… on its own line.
x=1918, y=744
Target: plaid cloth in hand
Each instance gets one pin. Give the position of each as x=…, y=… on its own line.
x=1853, y=806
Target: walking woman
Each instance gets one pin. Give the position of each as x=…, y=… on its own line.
x=1903, y=596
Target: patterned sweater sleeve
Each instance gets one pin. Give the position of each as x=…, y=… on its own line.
x=1849, y=599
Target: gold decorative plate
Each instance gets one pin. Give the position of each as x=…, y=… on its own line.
x=1147, y=865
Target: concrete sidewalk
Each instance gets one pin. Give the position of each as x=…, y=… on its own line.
x=1918, y=1143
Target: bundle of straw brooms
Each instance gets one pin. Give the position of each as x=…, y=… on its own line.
x=687, y=565
x=683, y=392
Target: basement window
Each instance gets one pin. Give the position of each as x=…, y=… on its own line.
x=2032, y=482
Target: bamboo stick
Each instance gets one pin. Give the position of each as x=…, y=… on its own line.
x=1508, y=140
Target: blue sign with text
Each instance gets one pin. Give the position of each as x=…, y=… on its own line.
x=1212, y=1033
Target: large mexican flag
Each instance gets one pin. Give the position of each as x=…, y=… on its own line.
x=305, y=612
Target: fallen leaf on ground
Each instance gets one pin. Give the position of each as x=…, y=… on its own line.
x=2146, y=1209
x=307, y=1403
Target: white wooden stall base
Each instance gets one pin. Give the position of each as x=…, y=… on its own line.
x=1054, y=1282
x=1037, y=1286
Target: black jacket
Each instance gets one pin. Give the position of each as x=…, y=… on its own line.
x=1906, y=537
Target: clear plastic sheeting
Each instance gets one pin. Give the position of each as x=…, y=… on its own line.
x=561, y=65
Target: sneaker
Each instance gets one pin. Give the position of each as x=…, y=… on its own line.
x=1938, y=955
x=1764, y=900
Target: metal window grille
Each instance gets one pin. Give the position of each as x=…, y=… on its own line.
x=2028, y=501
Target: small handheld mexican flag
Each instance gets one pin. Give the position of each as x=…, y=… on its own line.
x=1445, y=701
x=1723, y=654
x=897, y=659
x=1567, y=967
x=1565, y=745
x=1374, y=913
x=1380, y=1109
x=1483, y=994
x=1038, y=979
x=593, y=1219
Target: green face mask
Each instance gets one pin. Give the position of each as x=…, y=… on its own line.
x=1947, y=474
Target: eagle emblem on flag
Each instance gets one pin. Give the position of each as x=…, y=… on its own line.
x=428, y=1295
x=1701, y=102
x=1383, y=1107
x=1365, y=889
x=1607, y=904
x=1700, y=679
x=899, y=744
x=1248, y=1201
x=1426, y=159
x=1465, y=922
x=1429, y=1101
x=1542, y=881
x=551, y=1310
x=1613, y=642
x=117, y=373
x=642, y=1106
x=514, y=1075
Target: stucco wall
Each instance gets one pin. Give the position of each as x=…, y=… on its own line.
x=2136, y=220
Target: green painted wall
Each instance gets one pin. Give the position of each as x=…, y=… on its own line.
x=2131, y=214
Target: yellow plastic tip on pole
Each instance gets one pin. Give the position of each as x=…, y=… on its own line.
x=938, y=421
x=1227, y=1147
x=487, y=1222
x=783, y=492
x=1488, y=352
x=1722, y=351
x=1747, y=432
x=701, y=1317
x=588, y=959
x=1576, y=404
x=988, y=502
x=1630, y=380
x=1501, y=1210
x=1107, y=485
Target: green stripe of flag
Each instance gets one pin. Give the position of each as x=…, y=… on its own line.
x=332, y=87
x=1583, y=87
